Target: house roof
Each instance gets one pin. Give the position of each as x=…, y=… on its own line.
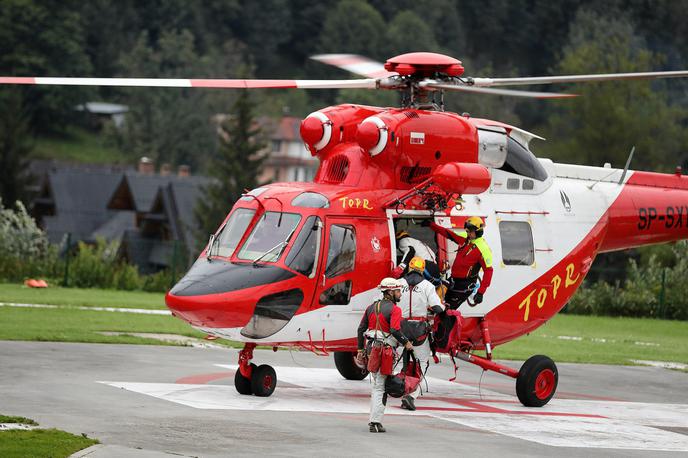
x=79, y=199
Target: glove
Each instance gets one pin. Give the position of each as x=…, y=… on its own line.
x=397, y=271
x=477, y=299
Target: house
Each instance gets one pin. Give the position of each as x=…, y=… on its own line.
x=288, y=159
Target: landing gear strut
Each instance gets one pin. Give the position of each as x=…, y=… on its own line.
x=536, y=381
x=251, y=379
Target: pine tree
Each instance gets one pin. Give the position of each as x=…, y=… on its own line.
x=234, y=169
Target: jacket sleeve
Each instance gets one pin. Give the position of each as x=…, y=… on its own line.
x=447, y=233
x=362, y=329
x=408, y=252
x=487, y=277
x=395, y=326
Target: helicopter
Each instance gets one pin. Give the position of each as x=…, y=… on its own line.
x=294, y=265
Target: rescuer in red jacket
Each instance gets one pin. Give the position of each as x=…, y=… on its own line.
x=472, y=255
x=381, y=325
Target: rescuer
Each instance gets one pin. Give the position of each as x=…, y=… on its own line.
x=411, y=247
x=419, y=302
x=472, y=255
x=381, y=326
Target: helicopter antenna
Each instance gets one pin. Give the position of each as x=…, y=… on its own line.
x=628, y=162
x=623, y=175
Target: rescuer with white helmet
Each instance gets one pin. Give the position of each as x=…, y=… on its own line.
x=381, y=326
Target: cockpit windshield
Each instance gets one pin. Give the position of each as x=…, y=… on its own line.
x=230, y=235
x=269, y=237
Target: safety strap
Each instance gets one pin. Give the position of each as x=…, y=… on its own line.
x=456, y=368
x=378, y=304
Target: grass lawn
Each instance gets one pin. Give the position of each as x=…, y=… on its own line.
x=70, y=325
x=85, y=297
x=565, y=338
x=39, y=443
x=586, y=339
x=78, y=145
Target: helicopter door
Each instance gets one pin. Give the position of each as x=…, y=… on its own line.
x=335, y=276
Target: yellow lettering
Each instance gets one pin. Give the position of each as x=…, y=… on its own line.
x=569, y=276
x=542, y=297
x=343, y=201
x=365, y=205
x=351, y=203
x=358, y=202
x=526, y=304
x=556, y=283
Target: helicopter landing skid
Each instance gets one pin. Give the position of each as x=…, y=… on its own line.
x=251, y=379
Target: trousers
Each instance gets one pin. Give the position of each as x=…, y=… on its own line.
x=422, y=353
x=377, y=404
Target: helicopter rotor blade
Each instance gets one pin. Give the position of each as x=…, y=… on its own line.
x=491, y=82
x=368, y=83
x=353, y=63
x=495, y=91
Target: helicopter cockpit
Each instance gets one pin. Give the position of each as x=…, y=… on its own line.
x=261, y=264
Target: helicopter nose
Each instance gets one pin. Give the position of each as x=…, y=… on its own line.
x=221, y=294
x=229, y=310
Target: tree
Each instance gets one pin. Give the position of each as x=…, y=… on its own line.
x=609, y=118
x=44, y=39
x=15, y=147
x=409, y=33
x=353, y=27
x=169, y=124
x=235, y=167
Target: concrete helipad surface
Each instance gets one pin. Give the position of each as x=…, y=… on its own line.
x=139, y=400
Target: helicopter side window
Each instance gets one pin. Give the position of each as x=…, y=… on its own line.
x=303, y=253
x=269, y=237
x=522, y=162
x=517, y=243
x=231, y=233
x=339, y=294
x=341, y=253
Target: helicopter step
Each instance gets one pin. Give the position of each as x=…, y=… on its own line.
x=252, y=379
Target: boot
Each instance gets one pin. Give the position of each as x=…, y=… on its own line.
x=408, y=403
x=377, y=428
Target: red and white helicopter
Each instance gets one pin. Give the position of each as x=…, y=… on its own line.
x=295, y=264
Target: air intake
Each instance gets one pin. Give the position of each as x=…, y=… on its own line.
x=413, y=175
x=337, y=169
x=411, y=114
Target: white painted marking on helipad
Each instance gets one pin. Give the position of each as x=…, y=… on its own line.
x=97, y=309
x=664, y=364
x=561, y=423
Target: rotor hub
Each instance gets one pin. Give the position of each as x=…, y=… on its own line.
x=424, y=65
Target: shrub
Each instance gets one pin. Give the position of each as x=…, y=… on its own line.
x=24, y=247
x=651, y=290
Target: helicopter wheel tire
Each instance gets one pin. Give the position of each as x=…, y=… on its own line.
x=263, y=380
x=346, y=365
x=243, y=384
x=537, y=381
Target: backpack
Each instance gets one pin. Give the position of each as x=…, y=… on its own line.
x=407, y=380
x=447, y=330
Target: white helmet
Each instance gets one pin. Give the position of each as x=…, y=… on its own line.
x=390, y=284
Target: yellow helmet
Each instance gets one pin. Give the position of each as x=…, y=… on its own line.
x=474, y=223
x=400, y=234
x=417, y=264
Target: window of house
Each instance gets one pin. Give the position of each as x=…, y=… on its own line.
x=341, y=253
x=517, y=243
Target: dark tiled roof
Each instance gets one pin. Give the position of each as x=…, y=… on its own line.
x=80, y=199
x=115, y=227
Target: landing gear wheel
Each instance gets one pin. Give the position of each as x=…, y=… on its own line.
x=346, y=365
x=243, y=384
x=263, y=380
x=537, y=381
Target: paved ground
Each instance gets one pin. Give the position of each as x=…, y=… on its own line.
x=139, y=400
